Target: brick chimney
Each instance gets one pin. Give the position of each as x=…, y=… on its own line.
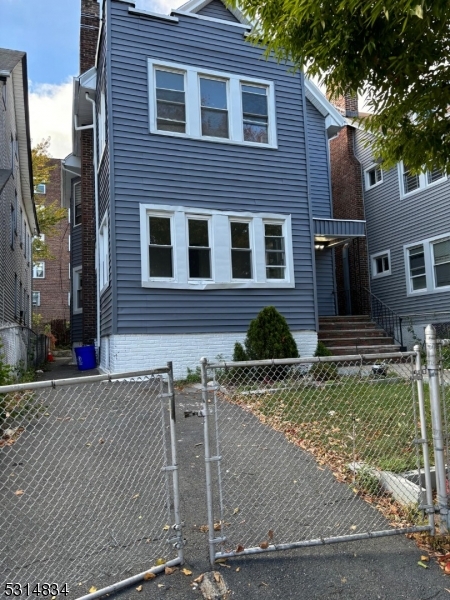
x=89, y=30
x=347, y=105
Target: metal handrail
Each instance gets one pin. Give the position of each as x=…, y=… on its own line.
x=386, y=318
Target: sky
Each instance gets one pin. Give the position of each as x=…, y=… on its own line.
x=48, y=31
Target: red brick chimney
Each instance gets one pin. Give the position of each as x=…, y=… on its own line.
x=89, y=30
x=347, y=105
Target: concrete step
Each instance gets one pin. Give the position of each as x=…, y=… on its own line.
x=337, y=318
x=347, y=350
x=382, y=340
x=368, y=332
x=346, y=325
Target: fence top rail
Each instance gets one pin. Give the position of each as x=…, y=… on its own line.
x=307, y=360
x=36, y=385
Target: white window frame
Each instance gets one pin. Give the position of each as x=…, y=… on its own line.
x=38, y=295
x=199, y=217
x=101, y=126
x=103, y=254
x=373, y=264
x=433, y=264
x=429, y=266
x=76, y=272
x=367, y=172
x=35, y=264
x=251, y=248
x=423, y=182
x=193, y=109
x=40, y=188
x=220, y=244
x=76, y=185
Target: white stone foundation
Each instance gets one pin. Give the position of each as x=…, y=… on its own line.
x=122, y=353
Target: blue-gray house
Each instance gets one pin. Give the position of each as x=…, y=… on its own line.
x=205, y=172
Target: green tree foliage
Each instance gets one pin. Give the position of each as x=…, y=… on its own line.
x=322, y=350
x=268, y=336
x=395, y=51
x=49, y=215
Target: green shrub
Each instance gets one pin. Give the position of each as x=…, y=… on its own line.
x=324, y=371
x=239, y=353
x=322, y=350
x=268, y=336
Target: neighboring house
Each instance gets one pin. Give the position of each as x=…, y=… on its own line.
x=51, y=278
x=408, y=232
x=211, y=197
x=18, y=222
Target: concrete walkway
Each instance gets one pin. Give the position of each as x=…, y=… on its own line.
x=61, y=368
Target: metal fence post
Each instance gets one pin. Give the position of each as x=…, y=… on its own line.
x=178, y=526
x=209, y=493
x=436, y=421
x=424, y=441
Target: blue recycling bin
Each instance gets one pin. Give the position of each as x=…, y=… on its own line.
x=86, y=358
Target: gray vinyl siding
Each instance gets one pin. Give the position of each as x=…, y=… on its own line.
x=318, y=161
x=393, y=222
x=217, y=10
x=325, y=283
x=162, y=169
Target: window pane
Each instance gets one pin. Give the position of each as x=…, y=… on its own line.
x=198, y=233
x=241, y=261
x=379, y=263
x=271, y=229
x=160, y=262
x=410, y=182
x=255, y=133
x=385, y=263
x=170, y=126
x=254, y=104
x=273, y=243
x=275, y=258
x=160, y=231
x=441, y=252
x=240, y=237
x=442, y=275
x=170, y=96
x=254, y=89
x=174, y=112
x=199, y=263
x=417, y=260
x=213, y=93
x=275, y=273
x=419, y=283
x=214, y=123
x=169, y=80
x=434, y=175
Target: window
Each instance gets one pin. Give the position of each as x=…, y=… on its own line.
x=186, y=248
x=36, y=298
x=202, y=104
x=101, y=119
x=77, y=290
x=3, y=81
x=412, y=182
x=373, y=176
x=381, y=264
x=19, y=232
x=103, y=240
x=16, y=293
x=241, y=253
x=39, y=270
x=40, y=188
x=13, y=225
x=199, y=249
x=77, y=203
x=428, y=265
x=25, y=239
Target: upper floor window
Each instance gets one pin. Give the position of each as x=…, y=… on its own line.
x=39, y=270
x=428, y=265
x=36, y=296
x=381, y=264
x=77, y=203
x=373, y=176
x=411, y=182
x=103, y=240
x=202, y=104
x=40, y=188
x=189, y=248
x=101, y=118
x=77, y=287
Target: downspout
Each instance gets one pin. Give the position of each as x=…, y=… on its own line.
x=97, y=249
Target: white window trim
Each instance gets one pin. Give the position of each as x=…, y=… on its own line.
x=429, y=266
x=103, y=240
x=40, y=262
x=37, y=191
x=199, y=217
x=193, y=110
x=373, y=264
x=101, y=126
x=76, y=310
x=220, y=241
x=78, y=183
x=251, y=248
x=423, y=182
x=366, y=176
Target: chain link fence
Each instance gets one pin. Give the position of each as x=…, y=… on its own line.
x=89, y=480
x=22, y=348
x=310, y=451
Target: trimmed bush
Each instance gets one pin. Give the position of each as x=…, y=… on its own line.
x=322, y=350
x=268, y=336
x=239, y=353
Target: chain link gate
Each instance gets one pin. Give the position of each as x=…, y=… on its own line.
x=90, y=481
x=314, y=451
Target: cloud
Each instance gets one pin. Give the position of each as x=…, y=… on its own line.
x=50, y=115
x=159, y=6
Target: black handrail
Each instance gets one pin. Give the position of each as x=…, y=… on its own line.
x=386, y=318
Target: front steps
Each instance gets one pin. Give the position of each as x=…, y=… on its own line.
x=354, y=335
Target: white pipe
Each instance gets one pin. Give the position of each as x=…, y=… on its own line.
x=81, y=127
x=97, y=248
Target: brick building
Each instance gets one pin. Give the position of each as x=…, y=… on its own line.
x=51, y=277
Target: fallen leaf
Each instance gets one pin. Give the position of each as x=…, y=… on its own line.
x=343, y=580
x=149, y=575
x=270, y=534
x=199, y=579
x=161, y=585
x=186, y=572
x=217, y=526
x=220, y=560
x=166, y=528
x=421, y=564
x=353, y=527
x=204, y=528
x=169, y=570
x=135, y=496
x=425, y=558
x=18, y=492
x=238, y=569
x=88, y=444
x=447, y=568
x=160, y=561
x=235, y=511
x=92, y=589
x=240, y=548
x=139, y=588
x=216, y=576
x=102, y=441
x=264, y=545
